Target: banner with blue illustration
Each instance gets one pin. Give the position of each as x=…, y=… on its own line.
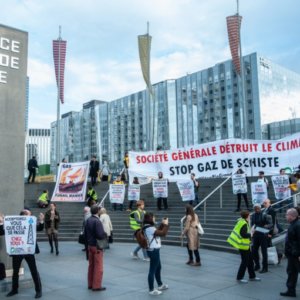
x=20, y=234
x=239, y=184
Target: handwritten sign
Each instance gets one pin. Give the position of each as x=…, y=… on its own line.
x=160, y=188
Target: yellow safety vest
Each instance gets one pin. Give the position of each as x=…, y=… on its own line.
x=235, y=238
x=118, y=182
x=43, y=197
x=91, y=192
x=133, y=223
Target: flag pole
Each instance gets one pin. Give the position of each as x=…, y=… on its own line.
x=58, y=105
x=242, y=77
x=149, y=98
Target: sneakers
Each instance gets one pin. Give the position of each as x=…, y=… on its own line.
x=163, y=287
x=155, y=293
x=134, y=255
x=146, y=259
x=242, y=281
x=254, y=279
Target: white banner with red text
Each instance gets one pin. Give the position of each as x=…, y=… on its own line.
x=186, y=189
x=259, y=192
x=218, y=159
x=280, y=184
x=134, y=191
x=160, y=188
x=239, y=184
x=116, y=193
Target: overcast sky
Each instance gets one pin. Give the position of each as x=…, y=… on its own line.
x=102, y=59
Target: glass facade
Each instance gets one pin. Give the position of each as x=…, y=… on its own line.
x=197, y=108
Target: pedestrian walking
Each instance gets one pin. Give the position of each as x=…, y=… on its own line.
x=240, y=238
x=32, y=166
x=136, y=221
x=191, y=232
x=94, y=230
x=52, y=220
x=94, y=169
x=106, y=222
x=153, y=235
x=292, y=252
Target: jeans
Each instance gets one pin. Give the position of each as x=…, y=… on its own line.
x=154, y=270
x=115, y=206
x=196, y=253
x=262, y=241
x=288, y=201
x=138, y=248
x=247, y=263
x=196, y=200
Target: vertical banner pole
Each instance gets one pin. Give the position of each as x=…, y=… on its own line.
x=58, y=106
x=149, y=105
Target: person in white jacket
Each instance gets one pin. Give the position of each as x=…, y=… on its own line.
x=105, y=220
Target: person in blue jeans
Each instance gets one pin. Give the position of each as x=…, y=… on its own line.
x=153, y=236
x=196, y=187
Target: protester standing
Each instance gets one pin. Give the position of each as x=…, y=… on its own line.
x=126, y=164
x=91, y=195
x=136, y=221
x=106, y=222
x=43, y=200
x=30, y=259
x=32, y=166
x=118, y=181
x=153, y=235
x=196, y=187
x=94, y=230
x=105, y=171
x=262, y=178
x=164, y=200
x=191, y=232
x=239, y=195
x=289, y=201
x=260, y=239
x=240, y=238
x=94, y=169
x=292, y=252
x=135, y=181
x=52, y=219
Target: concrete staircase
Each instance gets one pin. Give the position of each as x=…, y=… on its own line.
x=219, y=221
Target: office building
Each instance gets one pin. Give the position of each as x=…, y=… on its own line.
x=196, y=108
x=38, y=144
x=27, y=104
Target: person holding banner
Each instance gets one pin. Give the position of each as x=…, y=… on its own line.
x=196, y=187
x=263, y=179
x=289, y=201
x=30, y=259
x=240, y=193
x=118, y=181
x=52, y=219
x=161, y=199
x=191, y=232
x=135, y=181
x=297, y=177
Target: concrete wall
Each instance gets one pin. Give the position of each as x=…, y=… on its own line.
x=13, y=72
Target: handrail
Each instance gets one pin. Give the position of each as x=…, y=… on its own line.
x=100, y=204
x=204, y=200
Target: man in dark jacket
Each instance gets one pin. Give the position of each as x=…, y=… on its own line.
x=292, y=252
x=93, y=230
x=30, y=259
x=260, y=239
x=32, y=166
x=94, y=169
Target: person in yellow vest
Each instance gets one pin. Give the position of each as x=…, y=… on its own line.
x=240, y=238
x=118, y=181
x=43, y=200
x=91, y=195
x=136, y=221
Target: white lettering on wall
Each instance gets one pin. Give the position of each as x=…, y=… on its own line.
x=4, y=60
x=4, y=44
x=2, y=77
x=14, y=63
x=15, y=46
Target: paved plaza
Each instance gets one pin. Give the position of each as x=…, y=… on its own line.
x=64, y=277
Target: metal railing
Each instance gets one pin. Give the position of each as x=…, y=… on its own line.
x=102, y=201
x=204, y=200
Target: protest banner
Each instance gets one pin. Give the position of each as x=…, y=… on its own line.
x=71, y=183
x=239, y=184
x=186, y=189
x=116, y=193
x=134, y=192
x=259, y=192
x=280, y=184
x=20, y=234
x=160, y=188
x=218, y=159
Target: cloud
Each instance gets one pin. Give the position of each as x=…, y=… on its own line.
x=39, y=119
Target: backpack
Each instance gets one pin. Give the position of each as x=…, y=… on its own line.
x=142, y=239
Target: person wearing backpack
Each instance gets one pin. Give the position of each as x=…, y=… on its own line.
x=154, y=244
x=136, y=221
x=263, y=179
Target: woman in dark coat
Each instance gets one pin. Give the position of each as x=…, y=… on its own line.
x=51, y=225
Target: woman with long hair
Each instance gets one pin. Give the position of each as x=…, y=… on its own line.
x=239, y=195
x=191, y=232
x=106, y=222
x=51, y=225
x=153, y=236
